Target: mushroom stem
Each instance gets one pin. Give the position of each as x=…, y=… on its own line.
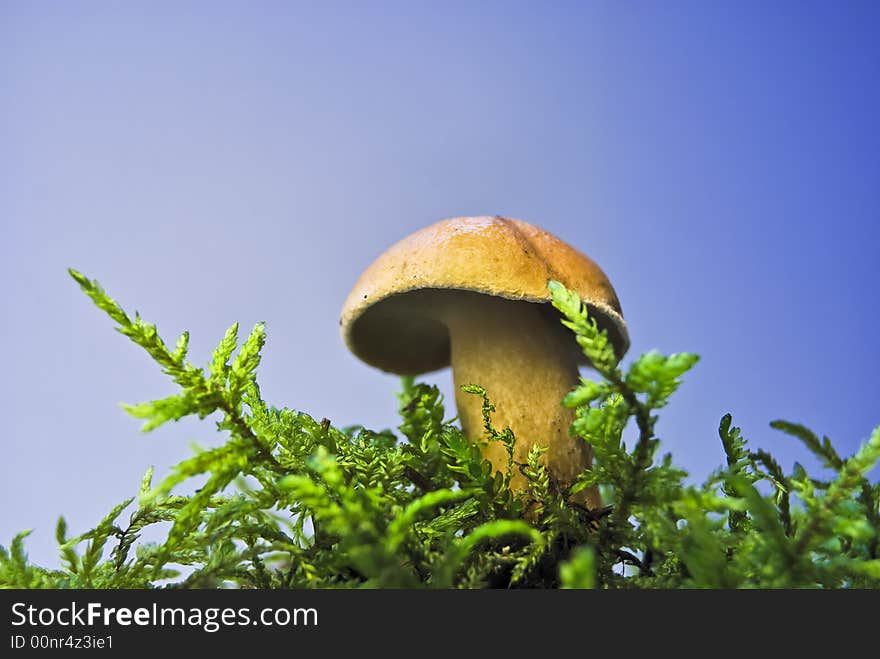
x=526, y=364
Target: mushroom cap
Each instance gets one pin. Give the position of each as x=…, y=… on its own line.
x=390, y=318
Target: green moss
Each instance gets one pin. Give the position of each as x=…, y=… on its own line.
x=293, y=502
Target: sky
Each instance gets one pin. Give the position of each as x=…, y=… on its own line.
x=213, y=162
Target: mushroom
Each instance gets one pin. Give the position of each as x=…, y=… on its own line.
x=472, y=292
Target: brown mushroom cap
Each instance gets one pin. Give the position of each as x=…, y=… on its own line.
x=388, y=319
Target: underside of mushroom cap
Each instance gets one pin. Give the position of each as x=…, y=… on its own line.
x=390, y=318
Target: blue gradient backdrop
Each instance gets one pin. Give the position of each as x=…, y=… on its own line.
x=214, y=162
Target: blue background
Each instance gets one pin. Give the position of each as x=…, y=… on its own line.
x=214, y=162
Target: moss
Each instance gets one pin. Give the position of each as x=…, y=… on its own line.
x=294, y=502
